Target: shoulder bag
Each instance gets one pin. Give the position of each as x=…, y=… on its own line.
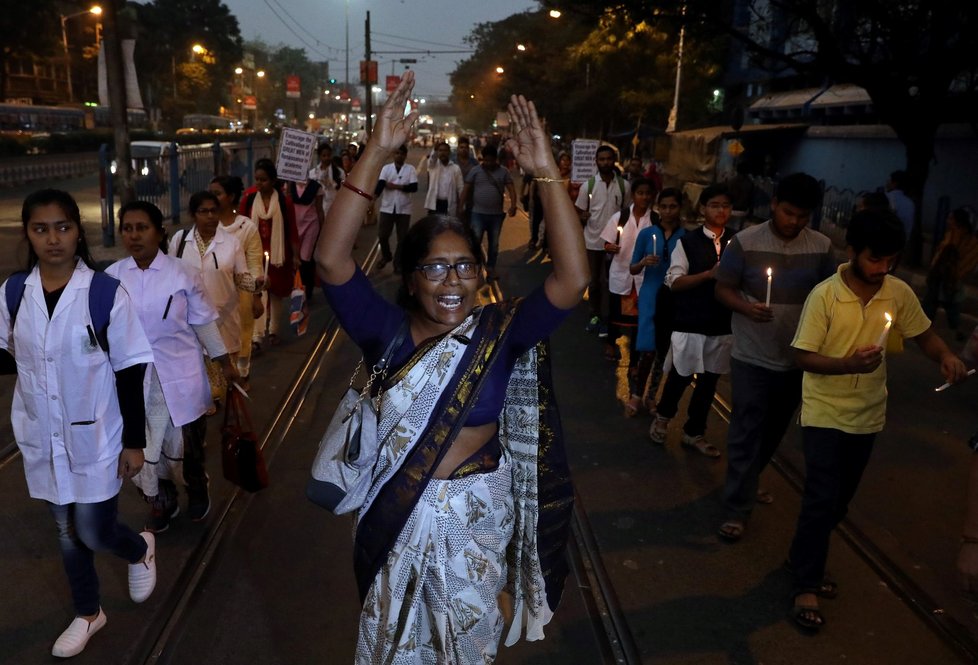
x=241, y=458
x=341, y=472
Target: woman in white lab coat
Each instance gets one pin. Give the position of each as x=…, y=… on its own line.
x=78, y=415
x=180, y=322
x=217, y=255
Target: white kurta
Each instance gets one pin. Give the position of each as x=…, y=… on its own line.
x=65, y=413
x=223, y=258
x=620, y=279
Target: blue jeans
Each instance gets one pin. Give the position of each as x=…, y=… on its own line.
x=83, y=529
x=491, y=224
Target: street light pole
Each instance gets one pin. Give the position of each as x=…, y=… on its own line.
x=674, y=111
x=64, y=43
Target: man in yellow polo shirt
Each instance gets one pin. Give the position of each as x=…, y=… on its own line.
x=840, y=345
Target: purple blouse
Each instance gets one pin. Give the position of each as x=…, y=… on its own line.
x=372, y=322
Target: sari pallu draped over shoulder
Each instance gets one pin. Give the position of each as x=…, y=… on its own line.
x=424, y=406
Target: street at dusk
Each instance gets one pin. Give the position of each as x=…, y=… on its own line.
x=673, y=365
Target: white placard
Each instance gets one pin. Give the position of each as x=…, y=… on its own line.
x=583, y=165
x=295, y=154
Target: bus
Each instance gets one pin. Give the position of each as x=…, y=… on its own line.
x=28, y=118
x=201, y=122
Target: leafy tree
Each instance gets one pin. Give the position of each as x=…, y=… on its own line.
x=917, y=60
x=587, y=74
x=31, y=27
x=172, y=77
x=544, y=72
x=280, y=62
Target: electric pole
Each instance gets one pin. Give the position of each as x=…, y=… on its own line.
x=118, y=106
x=369, y=87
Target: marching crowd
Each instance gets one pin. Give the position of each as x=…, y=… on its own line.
x=117, y=383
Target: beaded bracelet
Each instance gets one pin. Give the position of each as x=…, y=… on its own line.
x=357, y=190
x=550, y=179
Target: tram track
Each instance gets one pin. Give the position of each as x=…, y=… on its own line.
x=952, y=633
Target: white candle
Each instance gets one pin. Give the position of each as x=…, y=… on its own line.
x=653, y=244
x=618, y=239
x=767, y=299
x=265, y=266
x=881, y=342
x=944, y=386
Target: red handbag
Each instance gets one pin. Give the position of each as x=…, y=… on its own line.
x=241, y=456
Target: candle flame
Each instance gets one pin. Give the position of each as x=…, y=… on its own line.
x=769, y=272
x=620, y=229
x=889, y=319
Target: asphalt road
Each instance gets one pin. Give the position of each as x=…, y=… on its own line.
x=267, y=578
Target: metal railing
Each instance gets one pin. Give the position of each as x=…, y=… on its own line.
x=169, y=179
x=19, y=171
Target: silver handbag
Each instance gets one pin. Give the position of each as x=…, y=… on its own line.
x=341, y=472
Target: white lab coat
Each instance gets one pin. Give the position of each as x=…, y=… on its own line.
x=65, y=413
x=178, y=353
x=224, y=257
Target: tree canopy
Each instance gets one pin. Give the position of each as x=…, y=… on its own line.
x=587, y=75
x=172, y=76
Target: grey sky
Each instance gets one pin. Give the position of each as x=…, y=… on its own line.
x=396, y=25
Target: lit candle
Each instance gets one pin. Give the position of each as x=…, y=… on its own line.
x=618, y=239
x=881, y=342
x=653, y=244
x=767, y=299
x=265, y=266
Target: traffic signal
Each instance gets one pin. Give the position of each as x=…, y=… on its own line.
x=332, y=81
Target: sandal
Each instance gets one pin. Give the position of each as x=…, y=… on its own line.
x=700, y=445
x=632, y=406
x=764, y=497
x=808, y=617
x=731, y=530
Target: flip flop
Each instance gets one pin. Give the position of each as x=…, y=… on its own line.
x=808, y=617
x=702, y=446
x=731, y=531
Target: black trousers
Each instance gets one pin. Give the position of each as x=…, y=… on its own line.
x=388, y=223
x=764, y=402
x=699, y=403
x=834, y=465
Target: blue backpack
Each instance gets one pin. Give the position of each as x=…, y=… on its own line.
x=101, y=297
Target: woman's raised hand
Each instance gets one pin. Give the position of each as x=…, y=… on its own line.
x=528, y=139
x=393, y=127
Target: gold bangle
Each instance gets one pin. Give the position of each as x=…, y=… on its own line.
x=550, y=179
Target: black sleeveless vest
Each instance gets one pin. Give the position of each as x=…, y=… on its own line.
x=697, y=310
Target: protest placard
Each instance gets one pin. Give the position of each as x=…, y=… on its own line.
x=295, y=154
x=582, y=159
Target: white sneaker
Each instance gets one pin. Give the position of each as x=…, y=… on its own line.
x=142, y=576
x=72, y=642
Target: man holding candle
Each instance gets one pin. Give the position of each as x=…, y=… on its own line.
x=844, y=389
x=763, y=278
x=701, y=338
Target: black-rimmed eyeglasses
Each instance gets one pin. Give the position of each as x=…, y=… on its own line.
x=437, y=272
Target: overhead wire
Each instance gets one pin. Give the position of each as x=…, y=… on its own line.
x=290, y=29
